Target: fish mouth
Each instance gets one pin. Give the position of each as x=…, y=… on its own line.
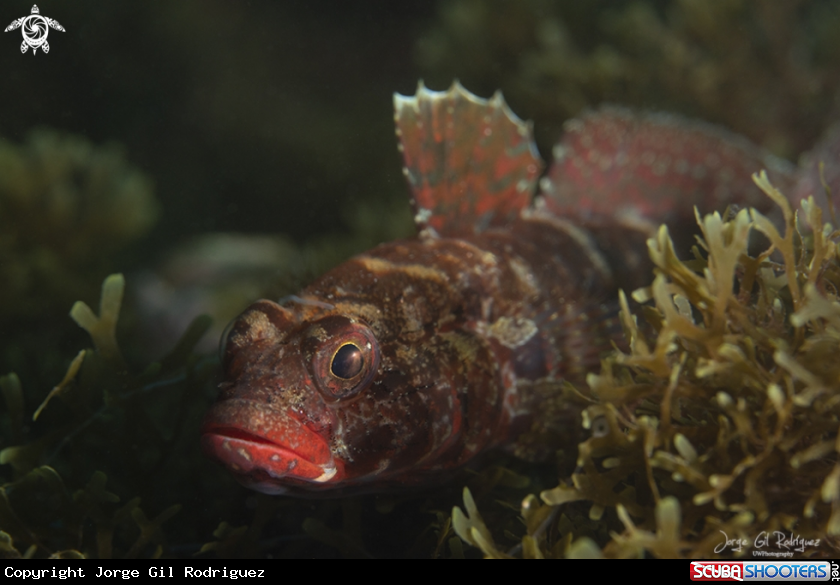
x=267, y=450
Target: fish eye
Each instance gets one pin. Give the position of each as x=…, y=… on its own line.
x=347, y=362
x=344, y=357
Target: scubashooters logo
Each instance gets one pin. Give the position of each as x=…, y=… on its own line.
x=35, y=29
x=764, y=571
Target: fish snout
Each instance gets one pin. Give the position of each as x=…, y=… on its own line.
x=267, y=448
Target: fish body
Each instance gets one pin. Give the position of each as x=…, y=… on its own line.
x=409, y=361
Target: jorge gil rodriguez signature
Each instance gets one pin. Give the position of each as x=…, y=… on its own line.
x=782, y=540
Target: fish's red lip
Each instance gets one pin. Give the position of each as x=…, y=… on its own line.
x=266, y=448
x=242, y=435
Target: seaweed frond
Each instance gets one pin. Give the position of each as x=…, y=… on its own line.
x=724, y=416
x=111, y=416
x=103, y=329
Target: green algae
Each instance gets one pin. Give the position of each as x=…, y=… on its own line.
x=39, y=514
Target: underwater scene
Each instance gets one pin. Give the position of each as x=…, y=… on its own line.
x=574, y=292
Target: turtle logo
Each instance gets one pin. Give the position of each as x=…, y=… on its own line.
x=35, y=29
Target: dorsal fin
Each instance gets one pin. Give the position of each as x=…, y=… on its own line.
x=614, y=163
x=471, y=163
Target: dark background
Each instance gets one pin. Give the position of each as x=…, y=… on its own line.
x=275, y=116
x=249, y=116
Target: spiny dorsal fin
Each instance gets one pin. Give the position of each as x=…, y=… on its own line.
x=614, y=163
x=471, y=163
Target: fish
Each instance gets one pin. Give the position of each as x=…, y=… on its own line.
x=412, y=361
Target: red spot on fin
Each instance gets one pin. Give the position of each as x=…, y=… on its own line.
x=471, y=163
x=653, y=168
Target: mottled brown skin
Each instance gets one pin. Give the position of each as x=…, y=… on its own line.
x=407, y=362
x=459, y=322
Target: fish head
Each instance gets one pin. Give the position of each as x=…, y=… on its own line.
x=319, y=398
x=273, y=423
